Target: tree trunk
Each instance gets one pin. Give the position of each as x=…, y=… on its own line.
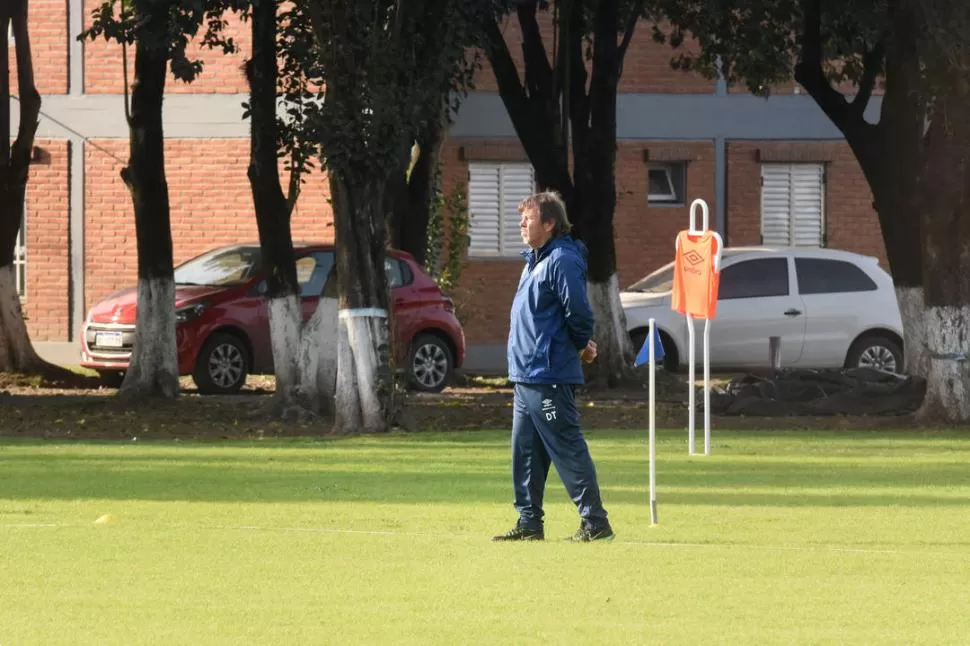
x=273, y=215
x=888, y=153
x=318, y=348
x=411, y=196
x=892, y=175
x=16, y=351
x=945, y=190
x=896, y=187
x=364, y=384
x=595, y=184
x=153, y=370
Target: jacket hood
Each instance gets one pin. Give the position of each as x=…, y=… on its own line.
x=579, y=245
x=565, y=242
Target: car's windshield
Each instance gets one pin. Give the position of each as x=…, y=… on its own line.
x=658, y=282
x=220, y=267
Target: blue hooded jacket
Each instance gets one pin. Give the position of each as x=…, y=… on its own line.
x=551, y=317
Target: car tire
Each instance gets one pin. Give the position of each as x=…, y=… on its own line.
x=430, y=363
x=222, y=365
x=111, y=378
x=875, y=351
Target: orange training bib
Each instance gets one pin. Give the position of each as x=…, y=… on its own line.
x=695, y=281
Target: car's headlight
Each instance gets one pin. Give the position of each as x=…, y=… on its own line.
x=189, y=312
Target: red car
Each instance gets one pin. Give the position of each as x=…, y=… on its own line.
x=222, y=324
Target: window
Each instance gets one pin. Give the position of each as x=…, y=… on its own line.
x=825, y=276
x=312, y=272
x=494, y=193
x=666, y=183
x=398, y=273
x=760, y=278
x=793, y=205
x=317, y=274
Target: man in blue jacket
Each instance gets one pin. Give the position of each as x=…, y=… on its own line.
x=550, y=332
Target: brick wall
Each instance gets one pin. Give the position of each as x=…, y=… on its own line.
x=645, y=234
x=47, y=268
x=220, y=74
x=47, y=24
x=210, y=201
x=851, y=222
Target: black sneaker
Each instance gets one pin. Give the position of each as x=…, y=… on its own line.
x=519, y=533
x=587, y=534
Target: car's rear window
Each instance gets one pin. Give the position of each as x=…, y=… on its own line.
x=829, y=276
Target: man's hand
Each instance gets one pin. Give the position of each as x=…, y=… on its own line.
x=588, y=354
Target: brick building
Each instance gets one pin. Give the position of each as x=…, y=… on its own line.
x=755, y=161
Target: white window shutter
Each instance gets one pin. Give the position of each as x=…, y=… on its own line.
x=807, y=211
x=792, y=205
x=517, y=184
x=484, y=197
x=775, y=201
x=494, y=193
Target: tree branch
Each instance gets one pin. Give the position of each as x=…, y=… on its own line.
x=578, y=99
x=506, y=76
x=29, y=96
x=4, y=89
x=631, y=24
x=872, y=63
x=529, y=114
x=809, y=73
x=538, y=73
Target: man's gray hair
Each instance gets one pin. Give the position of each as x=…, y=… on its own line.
x=551, y=208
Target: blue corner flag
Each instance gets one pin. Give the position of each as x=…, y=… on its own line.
x=643, y=357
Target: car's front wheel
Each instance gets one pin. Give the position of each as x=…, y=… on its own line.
x=222, y=366
x=429, y=363
x=875, y=351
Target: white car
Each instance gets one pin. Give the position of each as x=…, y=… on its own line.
x=831, y=308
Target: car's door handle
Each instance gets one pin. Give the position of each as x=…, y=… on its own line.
x=793, y=312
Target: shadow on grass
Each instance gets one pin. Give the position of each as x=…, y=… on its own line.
x=400, y=471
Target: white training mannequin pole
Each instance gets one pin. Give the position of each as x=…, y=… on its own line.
x=690, y=384
x=707, y=387
x=691, y=340
x=653, y=425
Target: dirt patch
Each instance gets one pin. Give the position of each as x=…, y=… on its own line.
x=29, y=409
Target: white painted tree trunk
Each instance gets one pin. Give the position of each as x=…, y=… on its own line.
x=304, y=356
x=285, y=323
x=948, y=381
x=16, y=352
x=615, y=351
x=318, y=358
x=361, y=372
x=911, y=310
x=153, y=370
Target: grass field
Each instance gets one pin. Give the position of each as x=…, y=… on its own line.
x=776, y=538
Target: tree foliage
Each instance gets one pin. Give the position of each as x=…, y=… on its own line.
x=387, y=67
x=447, y=237
x=757, y=43
x=114, y=21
